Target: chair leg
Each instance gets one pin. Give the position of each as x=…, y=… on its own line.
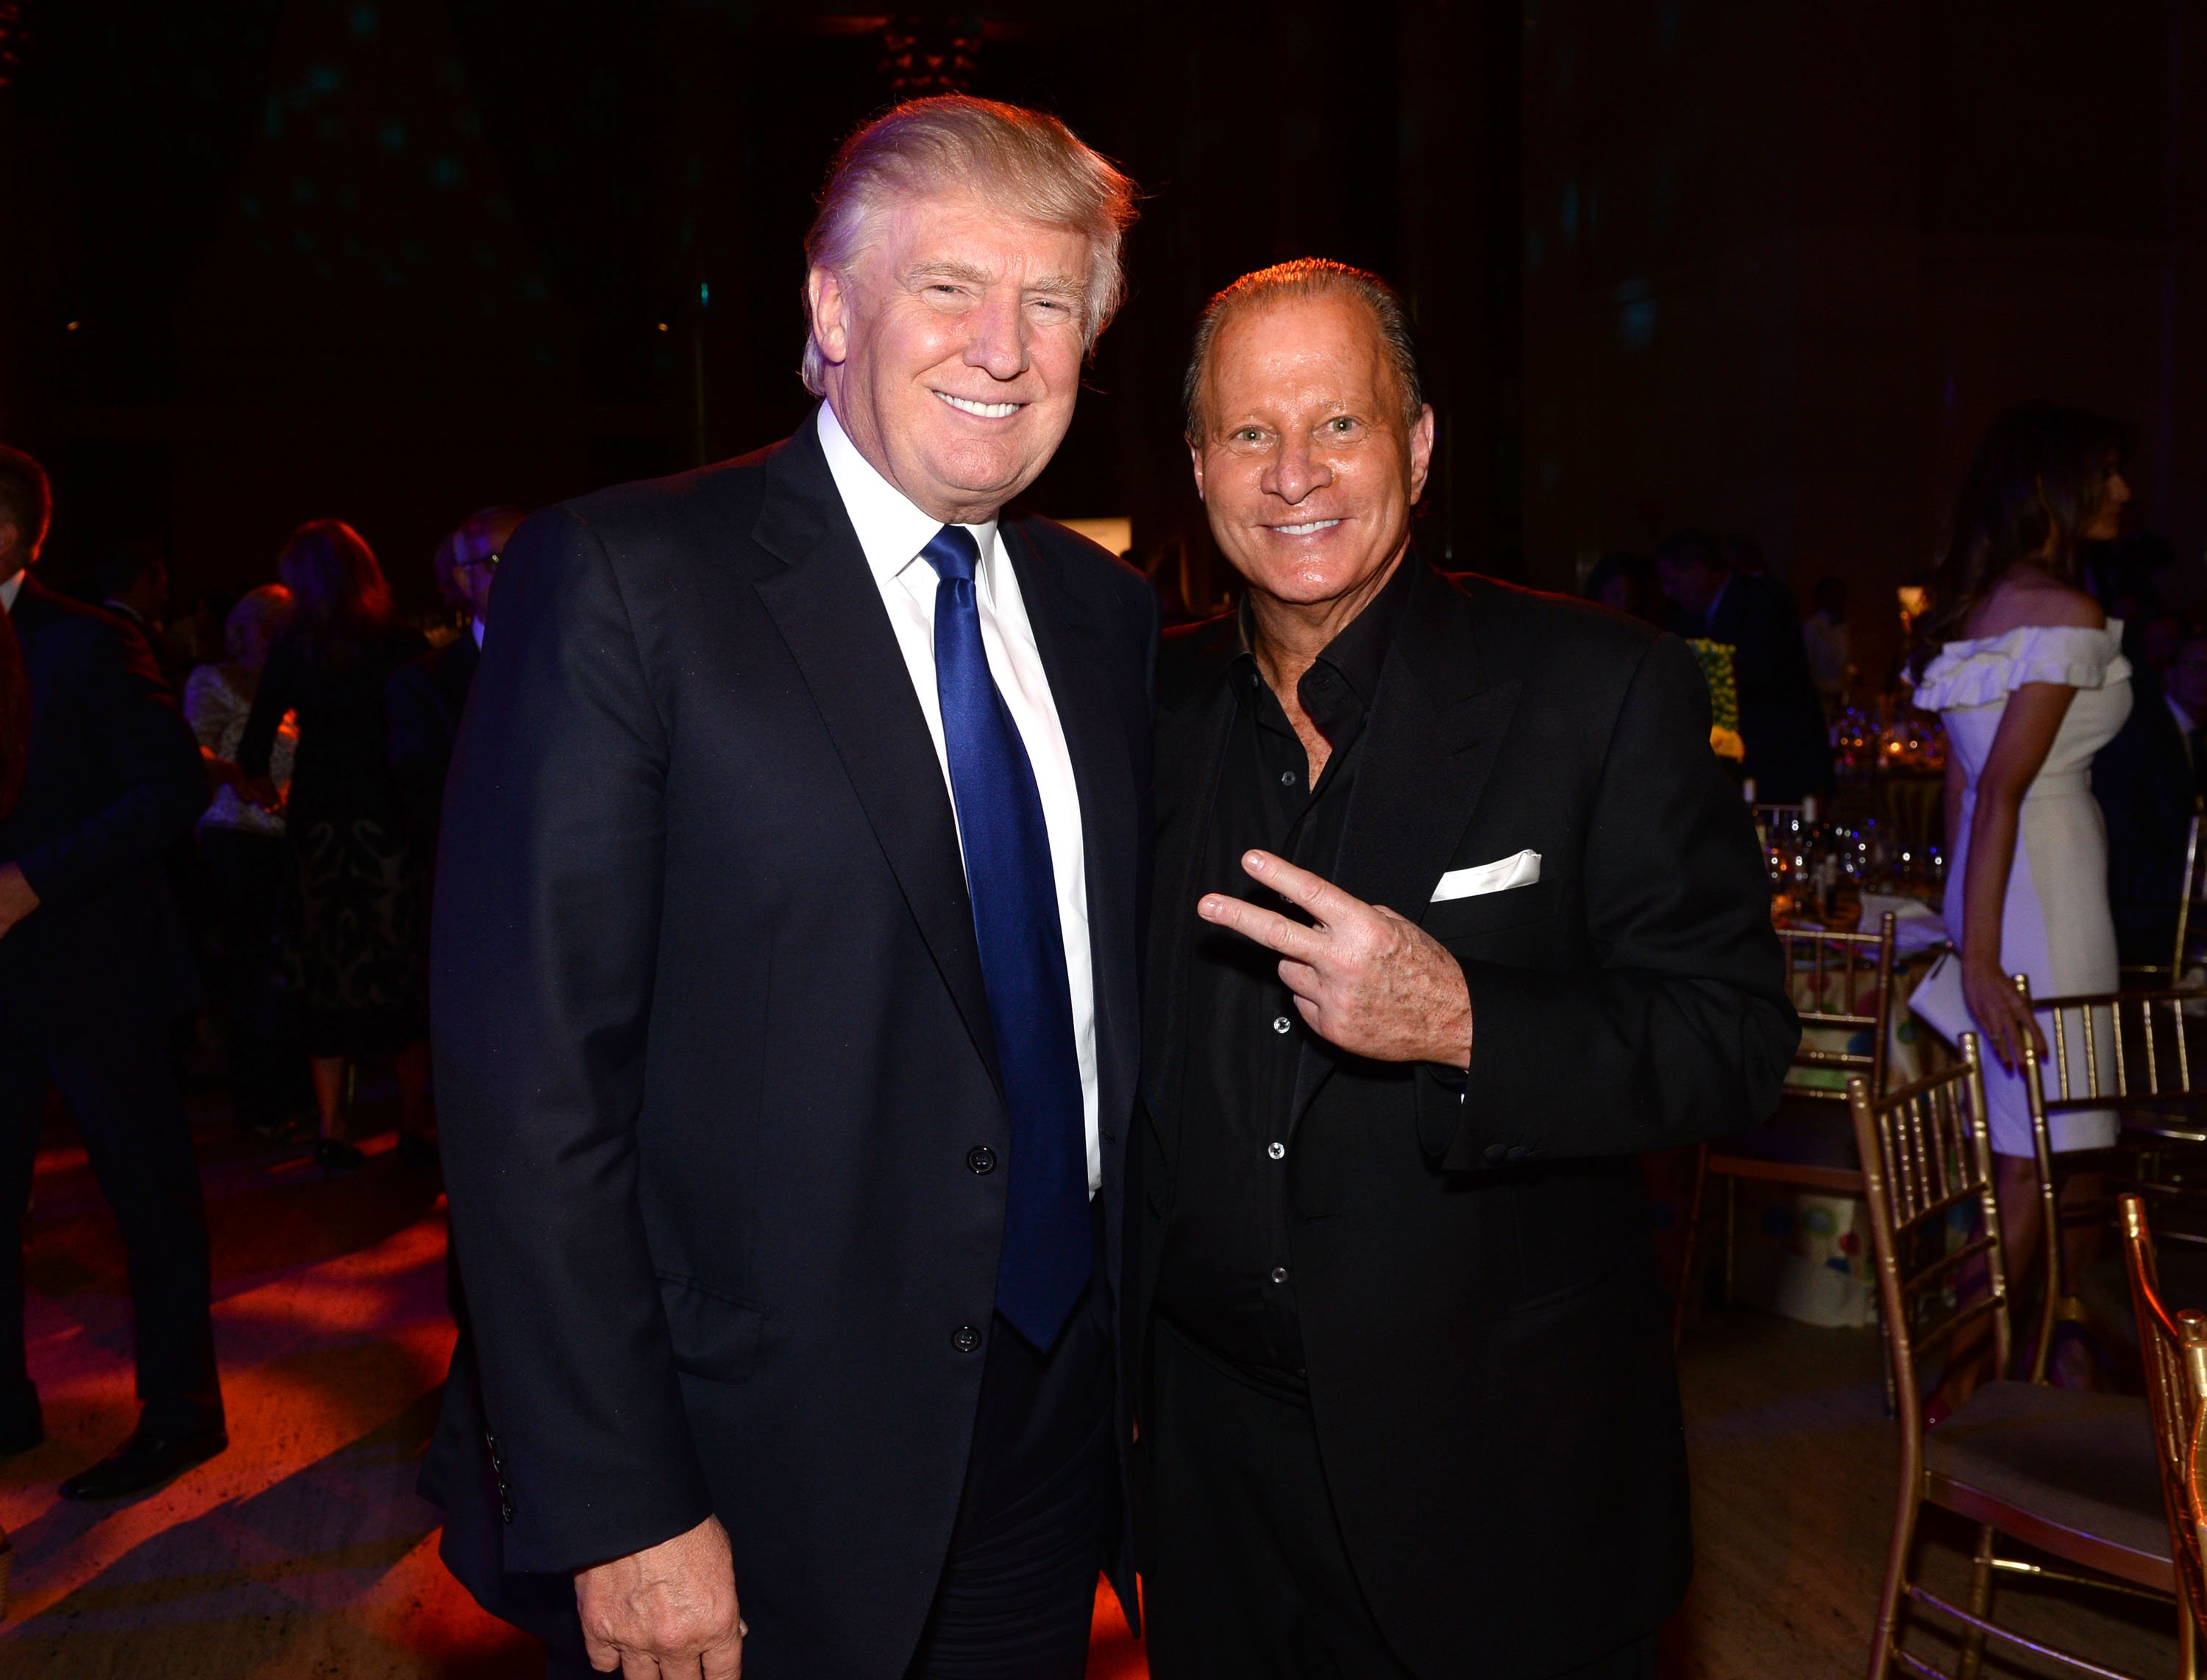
x=1981, y=1602
x=1884, y=1637
x=2187, y=1640
x=1691, y=1242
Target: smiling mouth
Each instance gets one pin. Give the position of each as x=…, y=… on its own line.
x=986, y=410
x=1305, y=530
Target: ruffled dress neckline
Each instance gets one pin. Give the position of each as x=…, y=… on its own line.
x=1985, y=670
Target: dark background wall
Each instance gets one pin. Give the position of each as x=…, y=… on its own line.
x=1756, y=265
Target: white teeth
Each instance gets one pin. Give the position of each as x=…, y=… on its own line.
x=1305, y=530
x=986, y=410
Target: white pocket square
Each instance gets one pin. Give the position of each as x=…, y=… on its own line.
x=1523, y=871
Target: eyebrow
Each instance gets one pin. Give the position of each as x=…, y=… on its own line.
x=1054, y=286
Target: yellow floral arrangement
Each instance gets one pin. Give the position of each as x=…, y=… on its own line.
x=1719, y=671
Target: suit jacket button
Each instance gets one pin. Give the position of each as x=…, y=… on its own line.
x=981, y=1159
x=1518, y=1151
x=506, y=1511
x=1497, y=1154
x=966, y=1338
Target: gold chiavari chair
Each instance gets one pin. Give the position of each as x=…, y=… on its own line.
x=2068, y=1473
x=2142, y=1054
x=2174, y=1350
x=2191, y=917
x=1841, y=981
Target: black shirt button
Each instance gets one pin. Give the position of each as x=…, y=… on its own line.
x=1278, y=1151
x=1279, y=1274
x=1282, y=1024
x=1287, y=778
x=981, y=1159
x=966, y=1338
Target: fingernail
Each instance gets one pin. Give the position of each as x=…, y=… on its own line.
x=1253, y=861
x=1207, y=907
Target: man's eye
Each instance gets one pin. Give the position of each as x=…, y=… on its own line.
x=1248, y=434
x=1340, y=425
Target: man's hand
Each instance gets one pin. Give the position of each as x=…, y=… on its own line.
x=667, y=1613
x=1364, y=978
x=17, y=900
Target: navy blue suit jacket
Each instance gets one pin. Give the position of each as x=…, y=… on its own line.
x=2148, y=790
x=712, y=1047
x=114, y=774
x=423, y=702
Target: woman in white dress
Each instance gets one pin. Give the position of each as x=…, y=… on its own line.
x=2028, y=675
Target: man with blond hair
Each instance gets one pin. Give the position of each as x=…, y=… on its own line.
x=784, y=990
x=1455, y=914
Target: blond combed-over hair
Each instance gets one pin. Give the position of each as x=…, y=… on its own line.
x=1026, y=163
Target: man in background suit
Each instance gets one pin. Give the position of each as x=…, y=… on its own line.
x=2149, y=781
x=426, y=696
x=785, y=989
x=1789, y=746
x=1456, y=915
x=113, y=776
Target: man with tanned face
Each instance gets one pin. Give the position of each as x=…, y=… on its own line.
x=1455, y=914
x=790, y=879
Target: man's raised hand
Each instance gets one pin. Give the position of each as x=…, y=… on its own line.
x=1364, y=978
x=667, y=1613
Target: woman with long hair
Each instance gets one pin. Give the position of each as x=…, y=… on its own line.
x=360, y=891
x=2028, y=675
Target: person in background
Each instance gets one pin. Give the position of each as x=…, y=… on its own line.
x=2150, y=643
x=1626, y=583
x=2027, y=674
x=112, y=776
x=1789, y=748
x=360, y=890
x=133, y=585
x=247, y=862
x=426, y=695
x=1824, y=635
x=2149, y=781
x=202, y=637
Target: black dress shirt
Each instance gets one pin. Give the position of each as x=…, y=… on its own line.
x=1226, y=1280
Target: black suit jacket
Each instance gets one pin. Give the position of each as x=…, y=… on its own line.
x=423, y=701
x=2148, y=789
x=1781, y=721
x=1482, y=1317
x=113, y=776
x=712, y=1047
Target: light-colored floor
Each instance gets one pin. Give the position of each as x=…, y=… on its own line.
x=303, y=1552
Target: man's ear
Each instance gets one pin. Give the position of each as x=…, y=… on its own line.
x=1421, y=451
x=828, y=305
x=1195, y=460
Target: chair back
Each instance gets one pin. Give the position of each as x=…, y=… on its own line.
x=2174, y=1353
x=1926, y=1152
x=1839, y=980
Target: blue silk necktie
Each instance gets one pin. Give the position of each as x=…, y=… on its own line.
x=1046, y=1258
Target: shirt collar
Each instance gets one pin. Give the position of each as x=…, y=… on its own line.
x=892, y=529
x=1356, y=656
x=11, y=589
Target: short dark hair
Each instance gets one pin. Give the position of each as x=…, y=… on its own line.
x=124, y=563
x=27, y=497
x=1306, y=277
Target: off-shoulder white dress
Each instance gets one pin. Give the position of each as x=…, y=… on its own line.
x=2057, y=927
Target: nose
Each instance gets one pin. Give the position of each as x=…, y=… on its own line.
x=1297, y=470
x=998, y=341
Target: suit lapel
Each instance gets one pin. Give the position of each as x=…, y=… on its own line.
x=1103, y=773
x=1429, y=744
x=825, y=603
x=1191, y=754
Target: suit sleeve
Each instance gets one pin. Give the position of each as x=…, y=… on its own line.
x=1681, y=1028
x=546, y=926
x=149, y=754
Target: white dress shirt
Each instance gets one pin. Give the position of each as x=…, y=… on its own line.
x=9, y=591
x=892, y=532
